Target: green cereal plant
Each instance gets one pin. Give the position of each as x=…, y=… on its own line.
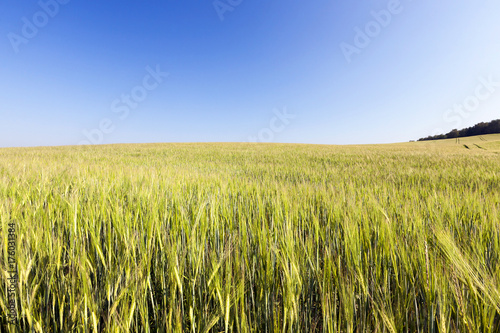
x=238, y=237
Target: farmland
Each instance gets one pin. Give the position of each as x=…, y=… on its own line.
x=219, y=237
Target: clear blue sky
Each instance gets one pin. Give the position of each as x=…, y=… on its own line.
x=69, y=66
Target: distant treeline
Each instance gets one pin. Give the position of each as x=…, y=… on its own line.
x=491, y=127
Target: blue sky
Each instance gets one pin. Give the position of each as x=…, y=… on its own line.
x=75, y=72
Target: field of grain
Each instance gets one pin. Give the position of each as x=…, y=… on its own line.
x=253, y=237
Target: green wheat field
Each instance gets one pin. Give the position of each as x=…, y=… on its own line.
x=253, y=237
